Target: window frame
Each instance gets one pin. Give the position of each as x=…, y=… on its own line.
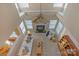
x=57, y=5
x=29, y=24
x=23, y=29
x=61, y=27
x=51, y=24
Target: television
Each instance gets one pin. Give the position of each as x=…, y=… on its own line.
x=40, y=28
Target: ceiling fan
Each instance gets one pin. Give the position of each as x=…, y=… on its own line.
x=39, y=17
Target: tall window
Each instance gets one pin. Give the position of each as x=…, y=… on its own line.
x=29, y=24
x=22, y=6
x=65, y=6
x=52, y=24
x=58, y=5
x=22, y=27
x=59, y=27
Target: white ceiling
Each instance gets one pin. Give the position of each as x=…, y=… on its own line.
x=46, y=9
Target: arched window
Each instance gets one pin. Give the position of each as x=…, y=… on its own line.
x=22, y=27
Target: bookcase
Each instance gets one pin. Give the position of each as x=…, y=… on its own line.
x=67, y=47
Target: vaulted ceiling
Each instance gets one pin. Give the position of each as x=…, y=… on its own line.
x=10, y=19
x=46, y=9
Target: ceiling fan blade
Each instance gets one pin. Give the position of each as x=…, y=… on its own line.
x=36, y=19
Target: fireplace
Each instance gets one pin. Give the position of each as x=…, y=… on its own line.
x=40, y=28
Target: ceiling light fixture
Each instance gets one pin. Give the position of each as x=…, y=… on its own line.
x=39, y=17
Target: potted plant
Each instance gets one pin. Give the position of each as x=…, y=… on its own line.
x=53, y=36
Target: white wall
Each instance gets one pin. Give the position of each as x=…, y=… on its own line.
x=71, y=19
x=9, y=20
